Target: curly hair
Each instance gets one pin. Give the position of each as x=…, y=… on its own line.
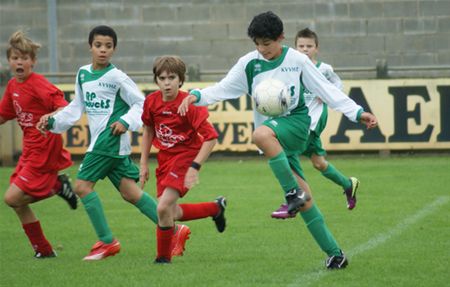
x=265, y=25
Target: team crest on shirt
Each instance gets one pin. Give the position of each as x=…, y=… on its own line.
x=25, y=119
x=166, y=136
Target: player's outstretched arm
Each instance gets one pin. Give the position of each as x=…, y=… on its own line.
x=369, y=120
x=42, y=123
x=184, y=106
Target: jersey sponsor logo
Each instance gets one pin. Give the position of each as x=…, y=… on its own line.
x=95, y=106
x=25, y=119
x=166, y=112
x=290, y=69
x=107, y=85
x=15, y=95
x=166, y=136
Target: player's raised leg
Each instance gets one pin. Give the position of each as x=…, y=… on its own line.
x=264, y=137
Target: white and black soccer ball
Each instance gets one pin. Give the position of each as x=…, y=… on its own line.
x=271, y=97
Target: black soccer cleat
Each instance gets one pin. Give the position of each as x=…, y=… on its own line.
x=296, y=198
x=337, y=261
x=162, y=260
x=66, y=191
x=39, y=255
x=219, y=219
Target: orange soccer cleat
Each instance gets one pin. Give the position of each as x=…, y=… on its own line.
x=179, y=239
x=101, y=250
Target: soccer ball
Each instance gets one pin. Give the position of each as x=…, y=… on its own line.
x=271, y=97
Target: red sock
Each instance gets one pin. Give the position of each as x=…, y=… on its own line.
x=198, y=210
x=164, y=241
x=37, y=239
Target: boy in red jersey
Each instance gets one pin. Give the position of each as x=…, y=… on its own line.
x=27, y=97
x=184, y=144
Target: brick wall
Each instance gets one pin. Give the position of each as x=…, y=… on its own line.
x=211, y=35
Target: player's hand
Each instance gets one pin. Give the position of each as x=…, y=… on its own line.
x=184, y=106
x=41, y=125
x=117, y=128
x=369, y=120
x=191, y=178
x=143, y=176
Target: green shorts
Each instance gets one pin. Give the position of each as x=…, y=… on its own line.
x=294, y=163
x=292, y=132
x=314, y=146
x=96, y=166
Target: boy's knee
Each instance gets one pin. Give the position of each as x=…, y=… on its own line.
x=81, y=189
x=319, y=163
x=9, y=200
x=13, y=200
x=261, y=134
x=163, y=210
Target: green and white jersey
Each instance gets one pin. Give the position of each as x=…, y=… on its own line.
x=317, y=109
x=106, y=96
x=293, y=68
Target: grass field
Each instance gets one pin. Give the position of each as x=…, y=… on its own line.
x=398, y=235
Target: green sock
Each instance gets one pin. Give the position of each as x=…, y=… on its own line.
x=319, y=230
x=336, y=176
x=94, y=209
x=280, y=167
x=147, y=205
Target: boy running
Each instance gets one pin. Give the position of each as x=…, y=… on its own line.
x=113, y=104
x=27, y=97
x=307, y=42
x=284, y=138
x=184, y=144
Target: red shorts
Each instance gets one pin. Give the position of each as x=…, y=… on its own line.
x=34, y=183
x=172, y=169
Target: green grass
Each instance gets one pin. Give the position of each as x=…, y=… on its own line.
x=398, y=235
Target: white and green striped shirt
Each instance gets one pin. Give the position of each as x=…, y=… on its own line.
x=291, y=67
x=106, y=96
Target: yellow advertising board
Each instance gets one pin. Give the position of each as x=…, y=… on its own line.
x=413, y=114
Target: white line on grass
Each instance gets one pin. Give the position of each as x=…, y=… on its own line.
x=309, y=278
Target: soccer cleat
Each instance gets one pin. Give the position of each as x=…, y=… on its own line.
x=350, y=193
x=179, y=239
x=101, y=250
x=66, y=191
x=39, y=255
x=219, y=219
x=336, y=261
x=162, y=260
x=282, y=212
x=296, y=198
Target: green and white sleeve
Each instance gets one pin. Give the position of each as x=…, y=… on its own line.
x=131, y=94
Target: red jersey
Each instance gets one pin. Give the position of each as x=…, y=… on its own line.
x=174, y=133
x=27, y=102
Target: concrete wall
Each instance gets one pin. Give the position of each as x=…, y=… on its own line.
x=211, y=35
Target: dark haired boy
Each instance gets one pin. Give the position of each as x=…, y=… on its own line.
x=113, y=104
x=283, y=138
